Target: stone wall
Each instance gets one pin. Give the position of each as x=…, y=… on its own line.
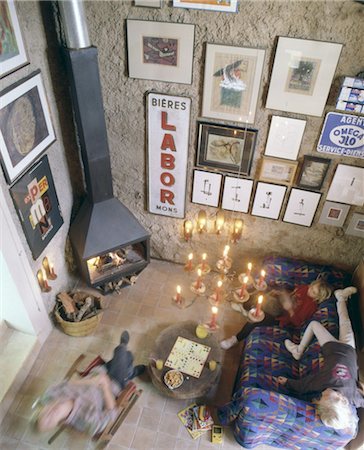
x=257, y=24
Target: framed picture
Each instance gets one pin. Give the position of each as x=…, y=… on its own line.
x=206, y=188
x=268, y=200
x=277, y=170
x=302, y=75
x=160, y=51
x=25, y=125
x=232, y=82
x=313, y=172
x=236, y=195
x=334, y=214
x=149, y=3
x=36, y=203
x=301, y=207
x=208, y=5
x=12, y=50
x=347, y=185
x=226, y=148
x=284, y=138
x=356, y=226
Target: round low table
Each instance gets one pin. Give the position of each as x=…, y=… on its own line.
x=191, y=387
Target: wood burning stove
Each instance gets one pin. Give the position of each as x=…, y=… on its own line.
x=109, y=243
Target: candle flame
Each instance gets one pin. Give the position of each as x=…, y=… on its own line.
x=190, y=256
x=250, y=266
x=204, y=256
x=179, y=290
x=219, y=284
x=262, y=273
x=199, y=272
x=246, y=279
x=260, y=299
x=214, y=310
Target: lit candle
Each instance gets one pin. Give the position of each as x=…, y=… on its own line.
x=202, y=221
x=238, y=229
x=243, y=287
x=189, y=264
x=226, y=251
x=214, y=311
x=220, y=220
x=204, y=256
x=261, y=278
x=187, y=226
x=218, y=290
x=178, y=294
x=250, y=266
x=258, y=309
x=198, y=282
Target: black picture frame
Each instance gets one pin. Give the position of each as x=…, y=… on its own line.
x=223, y=157
x=313, y=181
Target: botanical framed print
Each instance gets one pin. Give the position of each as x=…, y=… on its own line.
x=12, y=50
x=275, y=170
x=232, y=82
x=37, y=205
x=334, y=214
x=347, y=185
x=25, y=125
x=313, y=172
x=268, y=200
x=206, y=188
x=356, y=226
x=236, y=195
x=208, y=5
x=301, y=207
x=302, y=74
x=284, y=138
x=160, y=51
x=226, y=148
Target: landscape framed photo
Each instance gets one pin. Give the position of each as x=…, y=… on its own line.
x=268, y=200
x=334, y=214
x=25, y=125
x=160, y=51
x=237, y=193
x=347, y=186
x=208, y=5
x=206, y=188
x=273, y=170
x=36, y=202
x=284, y=138
x=232, y=82
x=12, y=50
x=226, y=148
x=356, y=226
x=301, y=207
x=302, y=74
x=313, y=172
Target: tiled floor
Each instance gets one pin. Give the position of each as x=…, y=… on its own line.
x=144, y=309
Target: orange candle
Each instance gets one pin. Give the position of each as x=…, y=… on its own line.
x=198, y=282
x=178, y=294
x=189, y=264
x=204, y=256
x=187, y=229
x=261, y=278
x=243, y=287
x=250, y=266
x=214, y=311
x=258, y=309
x=218, y=291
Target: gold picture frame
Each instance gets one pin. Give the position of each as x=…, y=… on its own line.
x=275, y=170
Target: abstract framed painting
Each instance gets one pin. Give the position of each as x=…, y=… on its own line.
x=347, y=186
x=268, y=200
x=25, y=125
x=226, y=148
x=334, y=214
x=208, y=5
x=232, y=82
x=12, y=50
x=206, y=188
x=302, y=74
x=356, y=226
x=313, y=172
x=301, y=207
x=160, y=51
x=237, y=194
x=284, y=138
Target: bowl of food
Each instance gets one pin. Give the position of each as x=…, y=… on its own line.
x=173, y=379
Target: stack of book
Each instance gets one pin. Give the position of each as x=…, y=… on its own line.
x=196, y=419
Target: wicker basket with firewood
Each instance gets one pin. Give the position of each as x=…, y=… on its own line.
x=78, y=313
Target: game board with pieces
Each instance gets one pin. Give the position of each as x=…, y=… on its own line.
x=188, y=356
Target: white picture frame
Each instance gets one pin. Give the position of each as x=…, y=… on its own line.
x=237, y=193
x=13, y=56
x=347, y=186
x=148, y=3
x=268, y=200
x=285, y=137
x=334, y=214
x=302, y=74
x=301, y=207
x=211, y=5
x=356, y=226
x=206, y=188
x=160, y=51
x=232, y=82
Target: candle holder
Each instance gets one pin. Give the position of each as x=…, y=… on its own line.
x=253, y=317
x=224, y=264
x=198, y=288
x=260, y=285
x=219, y=222
x=49, y=269
x=187, y=230
x=215, y=300
x=202, y=221
x=179, y=301
x=203, y=266
x=241, y=295
x=42, y=281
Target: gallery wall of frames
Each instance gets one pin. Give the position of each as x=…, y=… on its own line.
x=259, y=129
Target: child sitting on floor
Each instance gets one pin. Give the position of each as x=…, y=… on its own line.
x=285, y=308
